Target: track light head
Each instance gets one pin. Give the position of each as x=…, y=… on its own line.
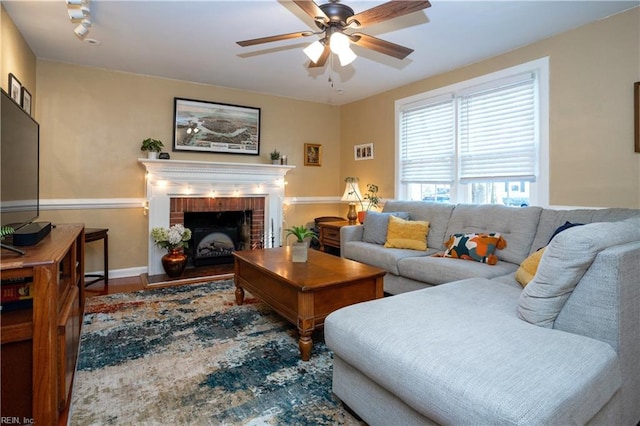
x=78, y=14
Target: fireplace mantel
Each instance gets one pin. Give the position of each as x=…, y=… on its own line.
x=168, y=179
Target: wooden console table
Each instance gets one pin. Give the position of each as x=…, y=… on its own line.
x=40, y=342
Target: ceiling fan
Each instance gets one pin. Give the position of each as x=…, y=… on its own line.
x=334, y=18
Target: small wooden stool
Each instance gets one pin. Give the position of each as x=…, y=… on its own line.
x=95, y=234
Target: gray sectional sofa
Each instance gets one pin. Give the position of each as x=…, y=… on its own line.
x=461, y=342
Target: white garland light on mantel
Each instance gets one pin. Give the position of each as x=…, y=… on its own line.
x=168, y=179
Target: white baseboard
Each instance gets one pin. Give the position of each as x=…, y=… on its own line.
x=122, y=273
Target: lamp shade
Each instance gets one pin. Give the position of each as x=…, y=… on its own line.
x=314, y=51
x=346, y=56
x=338, y=42
x=352, y=193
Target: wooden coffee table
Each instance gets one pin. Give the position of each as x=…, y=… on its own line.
x=305, y=293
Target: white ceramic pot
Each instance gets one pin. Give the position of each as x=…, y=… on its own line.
x=152, y=155
x=299, y=252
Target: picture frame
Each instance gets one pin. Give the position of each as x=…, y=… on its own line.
x=212, y=127
x=312, y=154
x=26, y=100
x=363, y=151
x=636, y=114
x=15, y=88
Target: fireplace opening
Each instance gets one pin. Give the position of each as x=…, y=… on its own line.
x=216, y=235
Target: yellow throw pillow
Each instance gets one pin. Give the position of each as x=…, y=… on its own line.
x=528, y=268
x=407, y=234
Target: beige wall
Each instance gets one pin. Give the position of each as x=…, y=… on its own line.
x=16, y=57
x=592, y=70
x=93, y=122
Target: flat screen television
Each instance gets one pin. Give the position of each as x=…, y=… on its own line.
x=20, y=162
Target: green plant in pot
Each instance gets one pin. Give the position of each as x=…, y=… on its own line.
x=275, y=156
x=152, y=146
x=299, y=247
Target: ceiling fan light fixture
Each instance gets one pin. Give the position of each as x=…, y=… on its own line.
x=339, y=43
x=314, y=51
x=347, y=56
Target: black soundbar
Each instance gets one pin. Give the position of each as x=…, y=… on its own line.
x=31, y=234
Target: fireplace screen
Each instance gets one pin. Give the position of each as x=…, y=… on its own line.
x=214, y=245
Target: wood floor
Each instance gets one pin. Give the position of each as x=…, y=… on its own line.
x=128, y=284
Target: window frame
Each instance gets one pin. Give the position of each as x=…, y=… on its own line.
x=539, y=190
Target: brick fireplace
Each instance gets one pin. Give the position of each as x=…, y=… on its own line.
x=175, y=187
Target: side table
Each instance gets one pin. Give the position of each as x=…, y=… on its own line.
x=330, y=234
x=95, y=234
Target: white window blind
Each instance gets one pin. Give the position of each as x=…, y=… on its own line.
x=427, y=142
x=497, y=133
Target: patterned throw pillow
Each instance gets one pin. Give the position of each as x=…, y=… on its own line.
x=478, y=247
x=407, y=234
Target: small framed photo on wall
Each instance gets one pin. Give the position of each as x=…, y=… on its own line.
x=312, y=154
x=26, y=100
x=15, y=88
x=363, y=151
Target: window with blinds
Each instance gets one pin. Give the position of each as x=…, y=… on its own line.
x=475, y=142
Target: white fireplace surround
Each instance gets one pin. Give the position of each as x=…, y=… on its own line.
x=168, y=179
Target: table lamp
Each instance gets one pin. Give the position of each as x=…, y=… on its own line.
x=352, y=195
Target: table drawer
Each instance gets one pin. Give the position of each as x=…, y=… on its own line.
x=331, y=234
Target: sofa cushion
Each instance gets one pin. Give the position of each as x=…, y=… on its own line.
x=550, y=220
x=437, y=214
x=478, y=247
x=563, y=264
x=564, y=227
x=379, y=256
x=458, y=354
x=517, y=225
x=407, y=234
x=440, y=270
x=376, y=226
x=528, y=268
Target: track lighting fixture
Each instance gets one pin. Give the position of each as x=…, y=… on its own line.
x=81, y=31
x=79, y=12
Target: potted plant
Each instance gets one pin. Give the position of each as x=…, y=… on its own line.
x=372, y=197
x=152, y=146
x=299, y=247
x=275, y=156
x=174, y=239
x=372, y=201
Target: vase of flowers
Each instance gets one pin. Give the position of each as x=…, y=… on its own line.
x=175, y=239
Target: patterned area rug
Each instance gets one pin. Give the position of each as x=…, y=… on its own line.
x=188, y=355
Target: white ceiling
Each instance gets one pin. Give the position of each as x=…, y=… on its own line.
x=195, y=40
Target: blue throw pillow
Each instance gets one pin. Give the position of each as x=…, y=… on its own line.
x=564, y=227
x=376, y=224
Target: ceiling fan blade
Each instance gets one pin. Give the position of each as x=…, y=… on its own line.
x=389, y=10
x=312, y=9
x=381, y=46
x=269, y=39
x=322, y=60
